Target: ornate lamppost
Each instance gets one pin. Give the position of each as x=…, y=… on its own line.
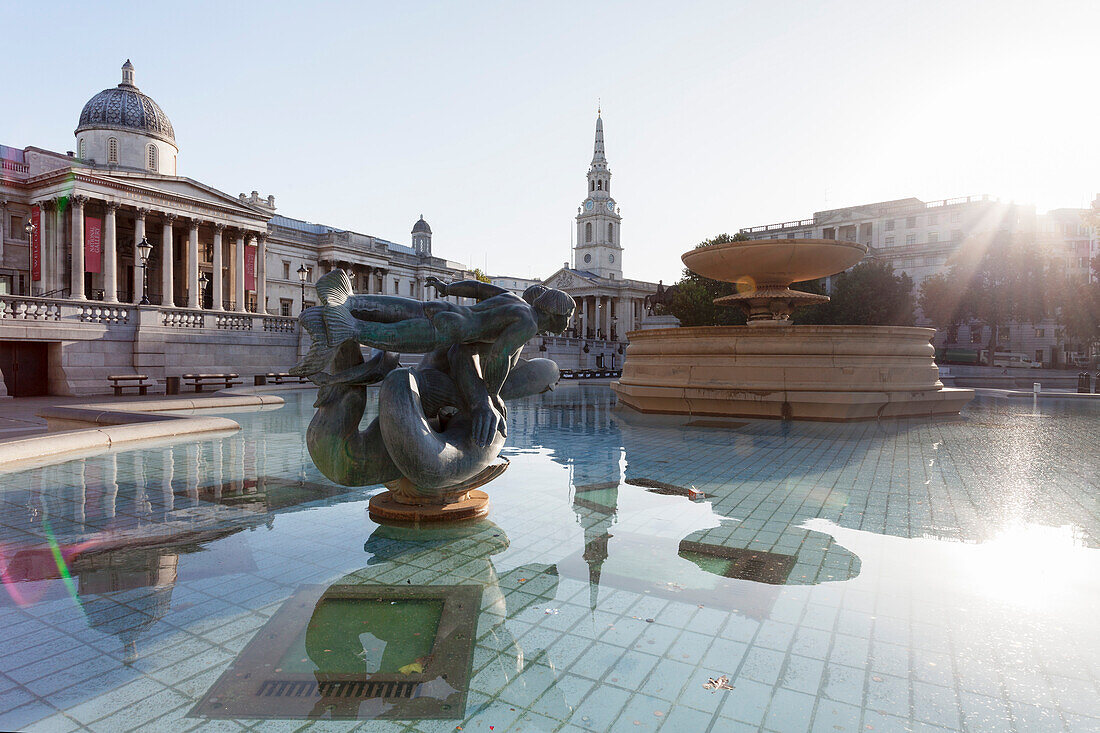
x=302, y=272
x=145, y=250
x=203, y=282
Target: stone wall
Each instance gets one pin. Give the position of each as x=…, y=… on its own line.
x=89, y=341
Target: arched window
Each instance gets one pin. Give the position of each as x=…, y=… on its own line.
x=152, y=157
x=611, y=232
x=599, y=185
x=588, y=231
x=112, y=150
x=82, y=149
x=591, y=185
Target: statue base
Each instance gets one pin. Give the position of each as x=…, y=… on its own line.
x=386, y=508
x=404, y=504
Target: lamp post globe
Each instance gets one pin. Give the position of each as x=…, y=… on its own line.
x=302, y=273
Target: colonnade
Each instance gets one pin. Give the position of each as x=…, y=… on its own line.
x=53, y=265
x=604, y=316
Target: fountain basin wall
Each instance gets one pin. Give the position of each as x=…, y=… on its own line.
x=777, y=371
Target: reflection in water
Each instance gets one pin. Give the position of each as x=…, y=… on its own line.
x=370, y=647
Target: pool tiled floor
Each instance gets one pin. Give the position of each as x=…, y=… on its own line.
x=910, y=575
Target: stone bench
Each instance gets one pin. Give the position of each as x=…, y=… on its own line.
x=198, y=381
x=120, y=382
x=280, y=377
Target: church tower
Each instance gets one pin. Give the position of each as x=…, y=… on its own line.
x=598, y=249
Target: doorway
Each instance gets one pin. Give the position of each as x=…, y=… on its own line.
x=24, y=365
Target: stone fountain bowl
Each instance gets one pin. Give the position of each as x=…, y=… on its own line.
x=776, y=262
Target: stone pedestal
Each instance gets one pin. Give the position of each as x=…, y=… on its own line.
x=404, y=503
x=651, y=322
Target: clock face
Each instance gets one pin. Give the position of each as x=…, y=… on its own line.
x=611, y=206
x=611, y=258
x=588, y=205
x=588, y=258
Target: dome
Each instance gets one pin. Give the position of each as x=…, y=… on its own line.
x=125, y=108
x=421, y=227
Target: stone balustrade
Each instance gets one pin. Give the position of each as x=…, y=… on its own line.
x=233, y=322
x=19, y=308
x=173, y=318
x=104, y=314
x=280, y=324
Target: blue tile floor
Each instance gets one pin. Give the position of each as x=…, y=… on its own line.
x=919, y=575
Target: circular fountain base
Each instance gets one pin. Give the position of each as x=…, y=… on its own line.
x=837, y=373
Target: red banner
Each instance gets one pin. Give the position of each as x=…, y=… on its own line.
x=249, y=268
x=36, y=243
x=93, y=244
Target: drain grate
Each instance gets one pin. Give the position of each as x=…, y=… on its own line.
x=360, y=689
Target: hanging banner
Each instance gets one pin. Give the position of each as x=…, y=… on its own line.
x=250, y=268
x=36, y=243
x=93, y=244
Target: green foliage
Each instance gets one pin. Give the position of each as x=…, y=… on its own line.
x=869, y=294
x=480, y=276
x=693, y=301
x=1079, y=311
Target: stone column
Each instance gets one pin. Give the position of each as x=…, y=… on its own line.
x=605, y=317
x=261, y=273
x=238, y=271
x=167, y=259
x=3, y=225
x=139, y=271
x=584, y=317
x=76, y=285
x=193, y=264
x=216, y=280
x=110, y=253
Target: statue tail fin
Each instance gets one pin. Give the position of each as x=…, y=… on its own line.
x=334, y=288
x=312, y=320
x=340, y=324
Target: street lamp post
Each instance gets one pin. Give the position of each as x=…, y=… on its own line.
x=29, y=229
x=144, y=251
x=302, y=272
x=203, y=282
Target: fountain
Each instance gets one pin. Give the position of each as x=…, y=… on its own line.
x=771, y=368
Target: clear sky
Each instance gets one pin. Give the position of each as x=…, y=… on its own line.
x=481, y=115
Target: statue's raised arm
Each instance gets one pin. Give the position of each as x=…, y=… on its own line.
x=466, y=288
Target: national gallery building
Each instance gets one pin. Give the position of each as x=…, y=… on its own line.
x=113, y=263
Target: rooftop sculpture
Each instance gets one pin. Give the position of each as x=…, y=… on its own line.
x=441, y=424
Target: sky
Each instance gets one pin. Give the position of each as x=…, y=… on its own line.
x=481, y=115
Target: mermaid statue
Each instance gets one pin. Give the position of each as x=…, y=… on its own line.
x=441, y=424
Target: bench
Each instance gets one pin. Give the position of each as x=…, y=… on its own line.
x=198, y=381
x=120, y=382
x=280, y=377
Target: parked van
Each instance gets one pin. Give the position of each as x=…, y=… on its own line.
x=1013, y=359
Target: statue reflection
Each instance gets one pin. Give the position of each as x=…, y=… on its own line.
x=405, y=637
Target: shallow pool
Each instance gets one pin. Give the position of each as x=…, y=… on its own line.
x=908, y=575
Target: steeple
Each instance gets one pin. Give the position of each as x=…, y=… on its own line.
x=599, y=160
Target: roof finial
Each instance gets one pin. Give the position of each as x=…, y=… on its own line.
x=599, y=107
x=127, y=74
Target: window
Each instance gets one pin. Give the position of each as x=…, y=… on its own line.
x=889, y=225
x=82, y=149
x=151, y=156
x=910, y=238
x=599, y=185
x=910, y=222
x=956, y=216
x=956, y=235
x=286, y=270
x=307, y=304
x=588, y=231
x=412, y=287
x=309, y=274
x=933, y=219
x=284, y=306
x=112, y=150
x=591, y=185
x=396, y=286
x=611, y=233
x=888, y=242
x=933, y=236
x=1039, y=333
x=15, y=227
x=1038, y=356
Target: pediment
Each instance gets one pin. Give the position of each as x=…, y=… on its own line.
x=566, y=279
x=191, y=191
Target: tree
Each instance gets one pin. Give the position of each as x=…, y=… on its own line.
x=995, y=279
x=1079, y=311
x=693, y=301
x=480, y=276
x=869, y=294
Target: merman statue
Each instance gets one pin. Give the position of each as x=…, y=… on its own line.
x=442, y=423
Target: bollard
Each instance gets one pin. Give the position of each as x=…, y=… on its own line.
x=1083, y=386
x=259, y=380
x=171, y=385
x=1036, y=387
